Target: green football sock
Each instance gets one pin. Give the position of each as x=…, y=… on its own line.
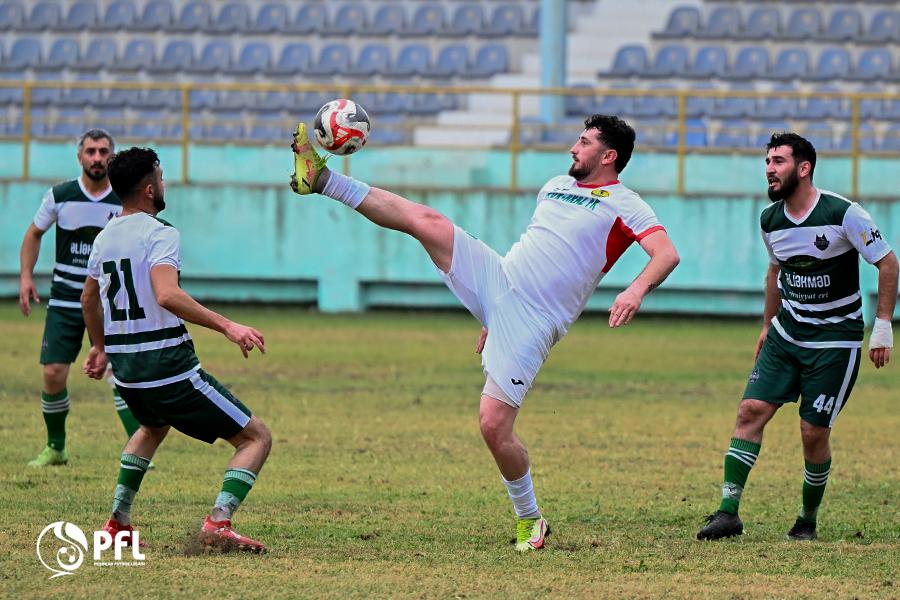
x=131, y=473
x=235, y=487
x=56, y=408
x=739, y=460
x=128, y=421
x=814, y=479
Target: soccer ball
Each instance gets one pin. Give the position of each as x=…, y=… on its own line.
x=342, y=127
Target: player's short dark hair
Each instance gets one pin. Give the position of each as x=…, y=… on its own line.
x=801, y=148
x=129, y=167
x=96, y=134
x=616, y=134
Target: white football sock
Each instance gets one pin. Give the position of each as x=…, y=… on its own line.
x=521, y=492
x=345, y=189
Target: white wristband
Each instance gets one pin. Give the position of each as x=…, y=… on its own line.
x=882, y=334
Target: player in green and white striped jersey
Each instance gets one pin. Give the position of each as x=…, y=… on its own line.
x=80, y=208
x=135, y=310
x=813, y=326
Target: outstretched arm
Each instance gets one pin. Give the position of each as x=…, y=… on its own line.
x=175, y=300
x=882, y=341
x=28, y=255
x=663, y=260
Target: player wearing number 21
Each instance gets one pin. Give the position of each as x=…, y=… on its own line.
x=134, y=311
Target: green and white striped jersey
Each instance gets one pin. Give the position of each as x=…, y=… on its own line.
x=821, y=305
x=78, y=217
x=147, y=345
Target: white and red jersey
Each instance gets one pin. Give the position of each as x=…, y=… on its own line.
x=576, y=235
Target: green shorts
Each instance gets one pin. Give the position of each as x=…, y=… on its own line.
x=63, y=335
x=823, y=378
x=199, y=406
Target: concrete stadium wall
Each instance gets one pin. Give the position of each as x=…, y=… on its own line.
x=253, y=242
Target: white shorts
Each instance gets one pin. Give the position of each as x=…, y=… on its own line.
x=519, y=335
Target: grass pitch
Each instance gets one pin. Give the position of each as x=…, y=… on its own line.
x=379, y=485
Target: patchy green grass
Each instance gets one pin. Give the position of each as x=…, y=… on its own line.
x=379, y=484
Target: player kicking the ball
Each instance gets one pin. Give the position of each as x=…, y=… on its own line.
x=133, y=271
x=527, y=300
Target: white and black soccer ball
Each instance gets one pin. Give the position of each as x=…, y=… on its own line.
x=342, y=127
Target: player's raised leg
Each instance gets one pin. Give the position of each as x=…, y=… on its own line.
x=433, y=230
x=252, y=446
x=497, y=419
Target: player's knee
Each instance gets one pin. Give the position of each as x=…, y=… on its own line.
x=55, y=374
x=750, y=413
x=493, y=429
x=814, y=436
x=156, y=433
x=258, y=434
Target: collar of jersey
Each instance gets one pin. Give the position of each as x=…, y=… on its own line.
x=599, y=185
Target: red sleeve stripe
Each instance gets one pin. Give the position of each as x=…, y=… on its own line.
x=647, y=232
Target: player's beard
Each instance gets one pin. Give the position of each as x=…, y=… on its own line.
x=580, y=171
x=787, y=189
x=96, y=175
x=159, y=202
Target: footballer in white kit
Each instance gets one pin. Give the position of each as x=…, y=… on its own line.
x=527, y=300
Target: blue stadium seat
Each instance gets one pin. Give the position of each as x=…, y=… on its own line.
x=272, y=102
x=24, y=54
x=12, y=15
x=579, y=105
x=158, y=98
x=10, y=95
x=779, y=106
x=389, y=132
x=67, y=126
x=701, y=106
x=226, y=130
x=696, y=135
x=630, y=61
x=195, y=16
x=373, y=59
x=148, y=125
x=271, y=18
x=389, y=19
x=820, y=135
x=451, y=61
x=178, y=55
x=790, y=64
x=429, y=103
x=255, y=57
x=333, y=60
x=413, y=59
x=845, y=24
x=506, y=20
x=891, y=141
x=138, y=54
x=671, y=61
x=532, y=27
x=119, y=15
x=295, y=58
x=872, y=108
x=384, y=103
x=684, y=21
x=233, y=17
x=710, y=61
x=45, y=16
x=751, y=62
x=350, y=19
x=762, y=23
x=891, y=110
x=120, y=97
x=48, y=96
x=215, y=58
x=884, y=28
x=803, y=24
x=81, y=17
x=101, y=53
x=817, y=108
x=233, y=101
x=617, y=104
x=765, y=131
x=732, y=134
x=737, y=107
x=833, y=63
x=202, y=98
x=867, y=139
x=310, y=18
x=82, y=97
x=491, y=59
x=310, y=101
x=157, y=16
x=724, y=22
x=64, y=53
x=874, y=64
x=654, y=133
x=468, y=19
x=656, y=106
x=428, y=20
x=110, y=119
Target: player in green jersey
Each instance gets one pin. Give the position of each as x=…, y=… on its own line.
x=80, y=208
x=812, y=332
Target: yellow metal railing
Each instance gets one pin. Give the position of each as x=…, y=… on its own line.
x=514, y=125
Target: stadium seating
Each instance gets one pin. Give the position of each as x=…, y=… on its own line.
x=120, y=14
x=333, y=59
x=490, y=59
x=295, y=58
x=64, y=53
x=12, y=15
x=139, y=54
x=178, y=55
x=309, y=18
x=350, y=19
x=762, y=22
x=372, y=59
x=884, y=28
x=233, y=17
x=428, y=19
x=452, y=61
x=24, y=54
x=195, y=16
x=468, y=19
x=44, y=16
x=724, y=23
x=389, y=19
x=683, y=22
x=271, y=18
x=101, y=53
x=157, y=16
x=255, y=57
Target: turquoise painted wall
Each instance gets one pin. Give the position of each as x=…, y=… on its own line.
x=252, y=241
